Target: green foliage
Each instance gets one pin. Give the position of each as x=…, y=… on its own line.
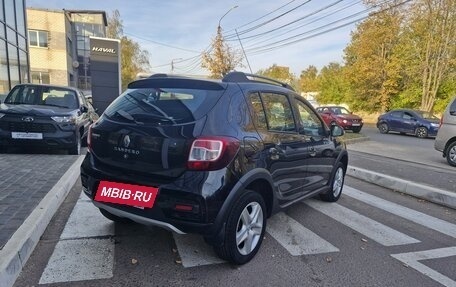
x=279, y=73
x=133, y=59
x=333, y=86
x=308, y=80
x=222, y=59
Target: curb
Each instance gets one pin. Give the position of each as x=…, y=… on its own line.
x=429, y=193
x=18, y=249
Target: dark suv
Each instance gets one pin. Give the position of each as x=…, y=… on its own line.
x=49, y=116
x=215, y=158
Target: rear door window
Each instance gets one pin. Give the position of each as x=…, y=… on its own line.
x=279, y=113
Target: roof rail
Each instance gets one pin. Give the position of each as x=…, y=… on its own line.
x=243, y=77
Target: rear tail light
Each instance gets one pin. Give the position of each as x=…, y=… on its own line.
x=212, y=153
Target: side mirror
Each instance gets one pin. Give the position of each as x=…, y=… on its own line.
x=337, y=131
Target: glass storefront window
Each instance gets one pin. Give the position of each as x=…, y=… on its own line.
x=1, y=16
x=4, y=82
x=23, y=66
x=11, y=36
x=2, y=30
x=22, y=42
x=13, y=65
x=10, y=13
x=20, y=17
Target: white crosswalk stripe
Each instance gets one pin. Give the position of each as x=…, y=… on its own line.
x=295, y=238
x=404, y=212
x=86, y=251
x=194, y=251
x=364, y=225
x=82, y=252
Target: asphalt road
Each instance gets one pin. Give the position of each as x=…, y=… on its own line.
x=397, y=139
x=371, y=237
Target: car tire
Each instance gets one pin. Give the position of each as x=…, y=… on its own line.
x=76, y=148
x=383, y=128
x=337, y=184
x=421, y=132
x=451, y=154
x=244, y=231
x=113, y=217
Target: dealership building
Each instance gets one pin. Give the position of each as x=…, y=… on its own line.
x=14, y=65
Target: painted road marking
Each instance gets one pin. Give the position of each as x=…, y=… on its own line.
x=83, y=251
x=295, y=238
x=81, y=259
x=412, y=259
x=373, y=229
x=194, y=251
x=87, y=221
x=404, y=212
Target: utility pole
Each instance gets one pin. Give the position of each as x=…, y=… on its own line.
x=172, y=64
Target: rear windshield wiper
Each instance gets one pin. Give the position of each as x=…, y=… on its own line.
x=127, y=116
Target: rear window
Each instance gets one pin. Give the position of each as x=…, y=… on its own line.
x=162, y=105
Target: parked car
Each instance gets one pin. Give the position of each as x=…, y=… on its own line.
x=50, y=116
x=407, y=121
x=342, y=117
x=216, y=158
x=446, y=136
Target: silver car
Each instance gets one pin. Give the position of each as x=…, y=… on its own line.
x=446, y=136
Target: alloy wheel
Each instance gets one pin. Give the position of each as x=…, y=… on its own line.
x=338, y=182
x=249, y=228
x=452, y=155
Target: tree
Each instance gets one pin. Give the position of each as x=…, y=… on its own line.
x=333, y=85
x=308, y=81
x=222, y=58
x=279, y=73
x=430, y=42
x=371, y=68
x=133, y=58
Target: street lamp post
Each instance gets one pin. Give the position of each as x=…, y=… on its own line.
x=234, y=7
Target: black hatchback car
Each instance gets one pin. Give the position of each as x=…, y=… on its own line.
x=215, y=158
x=35, y=115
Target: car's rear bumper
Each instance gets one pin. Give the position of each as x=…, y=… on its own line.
x=183, y=190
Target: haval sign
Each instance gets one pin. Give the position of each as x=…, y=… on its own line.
x=104, y=50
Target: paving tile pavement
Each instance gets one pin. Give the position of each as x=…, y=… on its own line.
x=24, y=181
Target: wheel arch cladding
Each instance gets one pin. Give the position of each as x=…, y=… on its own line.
x=263, y=187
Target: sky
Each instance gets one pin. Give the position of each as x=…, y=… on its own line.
x=179, y=31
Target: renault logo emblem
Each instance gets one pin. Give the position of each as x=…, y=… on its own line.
x=126, y=141
x=28, y=119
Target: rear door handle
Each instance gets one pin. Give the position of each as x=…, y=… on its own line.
x=274, y=153
x=312, y=151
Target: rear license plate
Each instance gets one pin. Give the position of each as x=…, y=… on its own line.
x=28, y=136
x=128, y=194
